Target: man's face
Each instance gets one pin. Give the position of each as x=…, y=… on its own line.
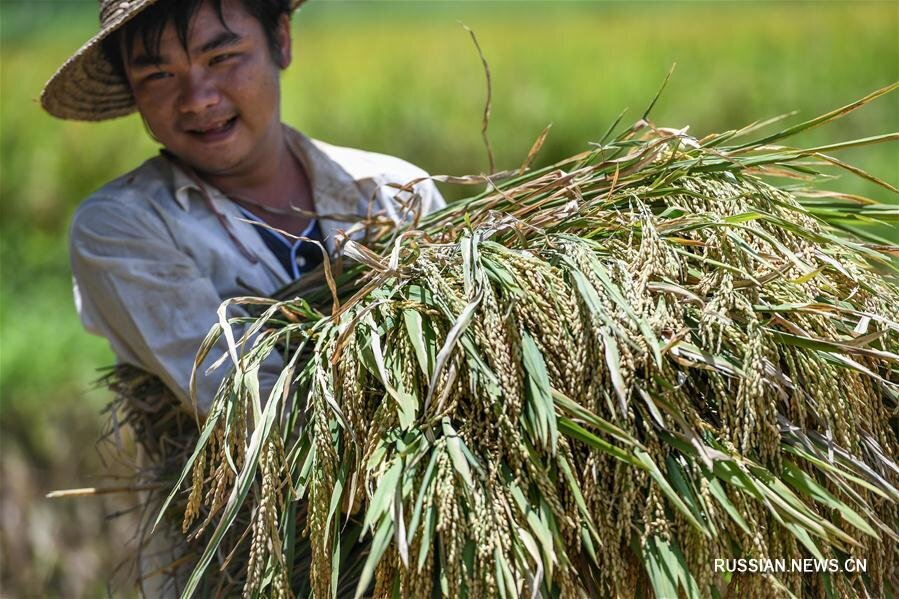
x=217, y=105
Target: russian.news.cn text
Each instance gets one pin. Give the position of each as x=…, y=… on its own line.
x=753, y=565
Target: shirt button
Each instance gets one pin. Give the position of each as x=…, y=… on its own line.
x=301, y=262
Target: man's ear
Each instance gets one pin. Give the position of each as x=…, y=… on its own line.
x=285, y=54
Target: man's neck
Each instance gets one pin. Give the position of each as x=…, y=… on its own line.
x=270, y=171
x=272, y=188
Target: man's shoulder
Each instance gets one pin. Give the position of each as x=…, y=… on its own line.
x=132, y=189
x=137, y=183
x=363, y=164
x=124, y=197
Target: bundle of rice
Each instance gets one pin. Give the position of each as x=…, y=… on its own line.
x=593, y=379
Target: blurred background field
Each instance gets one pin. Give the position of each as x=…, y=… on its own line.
x=390, y=76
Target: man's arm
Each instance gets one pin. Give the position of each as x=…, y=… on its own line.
x=135, y=287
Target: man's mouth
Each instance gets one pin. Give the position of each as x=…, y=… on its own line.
x=214, y=131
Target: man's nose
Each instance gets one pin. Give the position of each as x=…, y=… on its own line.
x=198, y=92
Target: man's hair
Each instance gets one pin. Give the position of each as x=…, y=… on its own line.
x=152, y=21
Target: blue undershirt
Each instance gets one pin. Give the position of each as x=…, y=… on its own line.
x=296, y=256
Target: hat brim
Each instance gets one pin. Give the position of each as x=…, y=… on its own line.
x=87, y=87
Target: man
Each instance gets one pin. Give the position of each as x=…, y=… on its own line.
x=155, y=252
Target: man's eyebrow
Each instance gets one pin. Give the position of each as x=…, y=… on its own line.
x=225, y=38
x=147, y=60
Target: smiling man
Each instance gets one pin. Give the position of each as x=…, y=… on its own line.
x=155, y=252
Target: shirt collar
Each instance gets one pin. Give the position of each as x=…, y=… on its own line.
x=183, y=186
x=334, y=190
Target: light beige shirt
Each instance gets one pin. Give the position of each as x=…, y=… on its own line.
x=151, y=263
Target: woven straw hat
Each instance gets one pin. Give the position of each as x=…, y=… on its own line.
x=86, y=87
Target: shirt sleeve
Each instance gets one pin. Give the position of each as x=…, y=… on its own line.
x=135, y=287
x=401, y=173
x=431, y=198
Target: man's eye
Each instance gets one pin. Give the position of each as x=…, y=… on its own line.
x=222, y=58
x=156, y=76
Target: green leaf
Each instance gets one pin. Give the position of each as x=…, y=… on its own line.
x=661, y=574
x=581, y=413
x=378, y=545
x=406, y=402
x=613, y=360
x=427, y=536
x=679, y=481
x=423, y=490
x=382, y=499
x=504, y=575
x=717, y=491
x=575, y=487
x=571, y=429
x=667, y=569
x=454, y=446
x=744, y=217
x=650, y=466
x=337, y=491
x=538, y=527
x=414, y=328
x=539, y=391
x=449, y=345
x=809, y=486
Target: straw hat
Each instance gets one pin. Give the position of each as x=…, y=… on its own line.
x=87, y=87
